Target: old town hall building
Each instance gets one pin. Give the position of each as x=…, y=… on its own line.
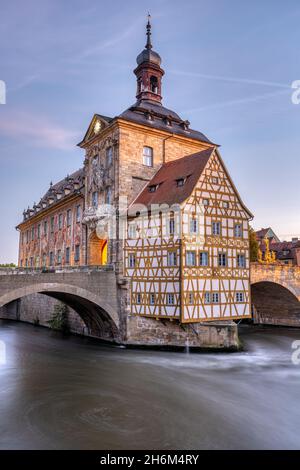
x=183, y=251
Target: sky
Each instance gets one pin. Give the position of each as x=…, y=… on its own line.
x=229, y=66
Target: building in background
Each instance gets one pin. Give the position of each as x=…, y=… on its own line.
x=287, y=252
x=268, y=233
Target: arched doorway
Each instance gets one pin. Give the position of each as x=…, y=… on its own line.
x=97, y=250
x=274, y=304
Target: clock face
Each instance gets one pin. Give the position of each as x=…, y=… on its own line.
x=97, y=127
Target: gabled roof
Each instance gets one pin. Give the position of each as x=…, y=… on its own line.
x=104, y=120
x=165, y=180
x=266, y=232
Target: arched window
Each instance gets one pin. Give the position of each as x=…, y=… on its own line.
x=148, y=156
x=153, y=84
x=139, y=85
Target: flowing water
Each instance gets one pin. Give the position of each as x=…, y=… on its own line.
x=71, y=393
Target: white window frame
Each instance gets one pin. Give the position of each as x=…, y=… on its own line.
x=191, y=258
x=131, y=260
x=238, y=230
x=207, y=258
x=172, y=258
x=221, y=257
x=132, y=232
x=216, y=228
x=170, y=298
x=172, y=225
x=148, y=156
x=193, y=225
x=240, y=257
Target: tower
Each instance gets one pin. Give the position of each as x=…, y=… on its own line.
x=148, y=72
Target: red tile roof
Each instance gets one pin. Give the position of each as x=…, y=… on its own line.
x=262, y=232
x=167, y=191
x=284, y=250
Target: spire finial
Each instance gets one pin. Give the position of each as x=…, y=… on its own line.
x=148, y=27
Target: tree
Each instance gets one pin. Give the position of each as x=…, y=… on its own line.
x=254, y=247
x=59, y=320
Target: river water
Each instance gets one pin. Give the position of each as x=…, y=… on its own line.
x=71, y=393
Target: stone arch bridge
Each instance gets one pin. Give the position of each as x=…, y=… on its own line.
x=91, y=292
x=275, y=294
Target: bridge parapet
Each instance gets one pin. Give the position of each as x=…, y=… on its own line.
x=285, y=275
x=56, y=270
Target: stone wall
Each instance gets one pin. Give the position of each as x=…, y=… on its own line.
x=39, y=308
x=212, y=335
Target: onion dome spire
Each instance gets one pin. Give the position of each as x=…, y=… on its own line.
x=148, y=28
x=149, y=72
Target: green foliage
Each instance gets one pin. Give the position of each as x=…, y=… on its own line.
x=8, y=265
x=59, y=320
x=254, y=247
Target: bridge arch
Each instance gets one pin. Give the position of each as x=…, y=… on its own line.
x=95, y=311
x=275, y=303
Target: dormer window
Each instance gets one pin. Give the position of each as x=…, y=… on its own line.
x=167, y=121
x=153, y=84
x=153, y=188
x=180, y=182
x=185, y=125
x=148, y=156
x=149, y=116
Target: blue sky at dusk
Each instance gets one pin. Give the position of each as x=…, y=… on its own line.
x=229, y=67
